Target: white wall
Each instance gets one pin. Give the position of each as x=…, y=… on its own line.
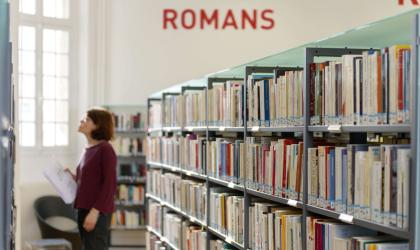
x=143, y=58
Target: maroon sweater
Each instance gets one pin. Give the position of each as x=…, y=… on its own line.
x=96, y=179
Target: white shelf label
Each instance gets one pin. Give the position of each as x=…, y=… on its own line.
x=255, y=129
x=222, y=128
x=346, y=218
x=231, y=185
x=174, y=169
x=229, y=240
x=188, y=173
x=190, y=128
x=192, y=219
x=292, y=202
x=334, y=128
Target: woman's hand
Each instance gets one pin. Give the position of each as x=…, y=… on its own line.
x=69, y=171
x=91, y=219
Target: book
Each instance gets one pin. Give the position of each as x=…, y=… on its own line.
x=62, y=181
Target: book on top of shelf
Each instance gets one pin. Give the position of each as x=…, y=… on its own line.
x=225, y=101
x=275, y=101
x=368, y=89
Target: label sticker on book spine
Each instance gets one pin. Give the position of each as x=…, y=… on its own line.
x=346, y=218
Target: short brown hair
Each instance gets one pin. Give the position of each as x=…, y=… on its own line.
x=104, y=122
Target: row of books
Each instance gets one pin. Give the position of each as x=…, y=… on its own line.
x=170, y=148
x=274, y=166
x=130, y=193
x=155, y=114
x=192, y=153
x=172, y=111
x=194, y=102
x=194, y=198
x=193, y=237
x=153, y=242
x=154, y=182
x=190, y=237
x=128, y=121
x=172, y=227
x=370, y=182
x=226, y=213
x=371, y=88
x=330, y=235
x=224, y=159
x=155, y=219
x=275, y=101
x=128, y=218
x=225, y=101
x=274, y=227
x=127, y=146
x=153, y=148
x=132, y=170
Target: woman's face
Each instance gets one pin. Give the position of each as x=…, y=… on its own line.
x=86, y=126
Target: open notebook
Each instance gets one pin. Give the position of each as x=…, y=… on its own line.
x=62, y=181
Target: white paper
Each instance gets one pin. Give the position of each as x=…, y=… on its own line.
x=62, y=181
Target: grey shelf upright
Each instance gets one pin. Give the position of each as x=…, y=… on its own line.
x=374, y=36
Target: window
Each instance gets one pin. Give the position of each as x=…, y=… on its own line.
x=44, y=73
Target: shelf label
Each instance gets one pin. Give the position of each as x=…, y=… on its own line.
x=334, y=128
x=255, y=129
x=229, y=240
x=292, y=203
x=192, y=219
x=222, y=128
x=346, y=218
x=231, y=185
x=190, y=129
x=188, y=173
x=174, y=169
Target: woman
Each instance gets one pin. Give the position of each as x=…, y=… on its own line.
x=96, y=180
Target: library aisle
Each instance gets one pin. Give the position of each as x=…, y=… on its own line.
x=311, y=148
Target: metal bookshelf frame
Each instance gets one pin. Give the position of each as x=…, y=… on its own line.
x=357, y=134
x=134, y=158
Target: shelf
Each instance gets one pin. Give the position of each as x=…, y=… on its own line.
x=361, y=128
x=177, y=210
x=195, y=129
x=226, y=129
x=397, y=232
x=127, y=228
x=172, y=129
x=128, y=204
x=193, y=174
x=154, y=130
x=256, y=129
x=131, y=156
x=276, y=199
x=131, y=182
x=130, y=132
x=226, y=184
x=225, y=238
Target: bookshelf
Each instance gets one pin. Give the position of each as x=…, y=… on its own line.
x=401, y=29
x=129, y=229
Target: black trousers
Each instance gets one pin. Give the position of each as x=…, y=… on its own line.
x=97, y=239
